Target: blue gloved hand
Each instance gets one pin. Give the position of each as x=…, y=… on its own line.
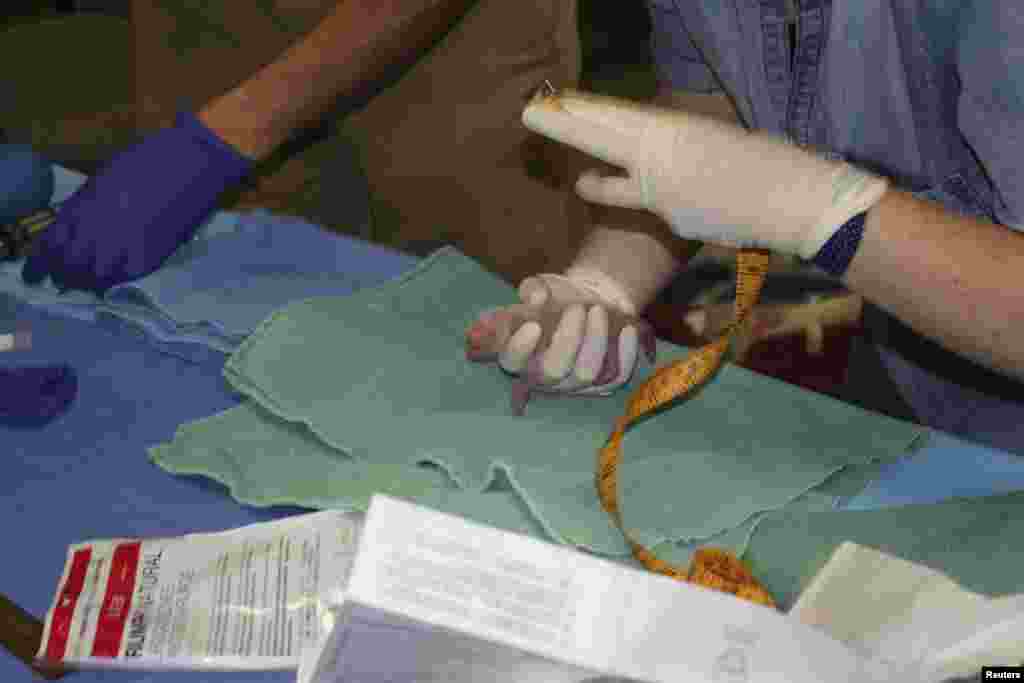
x=128, y=218
x=32, y=396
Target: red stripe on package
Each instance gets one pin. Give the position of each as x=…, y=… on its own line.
x=60, y=624
x=114, y=614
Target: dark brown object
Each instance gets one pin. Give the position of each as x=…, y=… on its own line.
x=782, y=356
x=21, y=634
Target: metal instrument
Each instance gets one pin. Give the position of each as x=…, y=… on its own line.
x=16, y=238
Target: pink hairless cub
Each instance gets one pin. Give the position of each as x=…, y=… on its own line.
x=486, y=338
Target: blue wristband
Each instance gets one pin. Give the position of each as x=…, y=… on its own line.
x=835, y=256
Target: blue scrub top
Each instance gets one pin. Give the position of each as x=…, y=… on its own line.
x=929, y=93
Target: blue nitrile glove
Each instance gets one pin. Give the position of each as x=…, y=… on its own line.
x=32, y=396
x=128, y=218
x=26, y=182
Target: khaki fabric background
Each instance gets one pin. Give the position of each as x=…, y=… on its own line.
x=441, y=146
x=73, y=103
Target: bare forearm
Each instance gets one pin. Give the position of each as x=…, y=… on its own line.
x=347, y=51
x=952, y=279
x=636, y=247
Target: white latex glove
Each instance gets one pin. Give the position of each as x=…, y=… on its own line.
x=711, y=181
x=572, y=334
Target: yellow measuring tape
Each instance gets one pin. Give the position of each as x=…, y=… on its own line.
x=712, y=568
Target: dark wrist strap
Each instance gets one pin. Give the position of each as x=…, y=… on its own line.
x=835, y=256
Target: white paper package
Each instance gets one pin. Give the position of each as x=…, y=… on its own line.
x=911, y=616
x=433, y=597
x=250, y=598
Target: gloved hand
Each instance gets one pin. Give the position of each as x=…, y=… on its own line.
x=32, y=396
x=572, y=334
x=711, y=181
x=125, y=221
